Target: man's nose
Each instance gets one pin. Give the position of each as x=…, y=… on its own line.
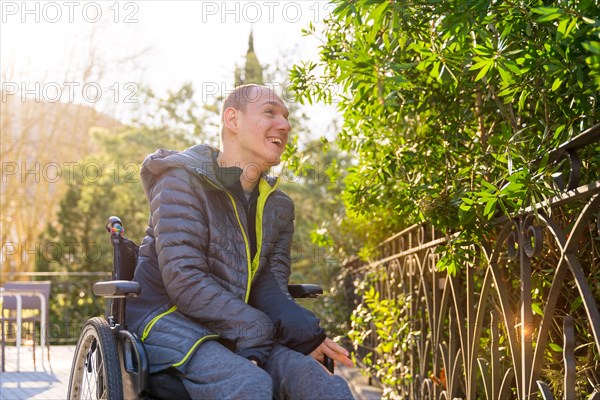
x=284, y=125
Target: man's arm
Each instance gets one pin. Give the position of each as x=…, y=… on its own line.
x=296, y=327
x=281, y=258
x=281, y=269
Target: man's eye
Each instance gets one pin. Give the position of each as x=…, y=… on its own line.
x=269, y=111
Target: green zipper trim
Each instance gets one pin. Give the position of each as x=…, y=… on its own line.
x=265, y=189
x=190, y=351
x=154, y=320
x=246, y=242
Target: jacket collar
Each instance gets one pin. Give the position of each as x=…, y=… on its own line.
x=197, y=159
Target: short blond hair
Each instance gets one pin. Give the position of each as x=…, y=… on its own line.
x=240, y=97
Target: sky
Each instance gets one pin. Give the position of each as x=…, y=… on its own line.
x=44, y=47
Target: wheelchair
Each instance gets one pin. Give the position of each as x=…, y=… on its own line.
x=110, y=362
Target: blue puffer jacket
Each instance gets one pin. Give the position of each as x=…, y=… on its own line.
x=195, y=264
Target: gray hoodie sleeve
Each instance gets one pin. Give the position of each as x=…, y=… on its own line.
x=181, y=236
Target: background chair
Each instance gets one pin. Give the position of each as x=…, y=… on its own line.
x=33, y=310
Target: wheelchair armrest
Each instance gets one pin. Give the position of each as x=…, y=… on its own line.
x=117, y=289
x=298, y=291
x=134, y=366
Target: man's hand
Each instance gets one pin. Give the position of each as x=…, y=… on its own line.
x=332, y=350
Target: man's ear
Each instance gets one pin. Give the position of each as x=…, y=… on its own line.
x=230, y=119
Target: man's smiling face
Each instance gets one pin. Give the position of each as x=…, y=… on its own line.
x=263, y=128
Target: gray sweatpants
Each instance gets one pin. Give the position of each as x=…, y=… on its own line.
x=214, y=372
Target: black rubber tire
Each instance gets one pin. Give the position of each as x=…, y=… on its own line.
x=96, y=373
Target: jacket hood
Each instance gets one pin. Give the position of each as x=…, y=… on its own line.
x=198, y=159
x=195, y=159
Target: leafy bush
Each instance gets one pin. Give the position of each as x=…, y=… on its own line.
x=451, y=107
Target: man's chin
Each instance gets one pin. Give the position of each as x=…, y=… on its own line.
x=273, y=163
x=266, y=166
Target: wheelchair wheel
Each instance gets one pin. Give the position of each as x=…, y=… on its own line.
x=96, y=373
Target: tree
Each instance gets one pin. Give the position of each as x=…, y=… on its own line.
x=109, y=184
x=452, y=107
x=43, y=139
x=252, y=71
x=315, y=186
x=39, y=158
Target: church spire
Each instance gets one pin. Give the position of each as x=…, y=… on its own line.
x=251, y=42
x=252, y=71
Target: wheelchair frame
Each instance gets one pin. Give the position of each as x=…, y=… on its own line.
x=110, y=362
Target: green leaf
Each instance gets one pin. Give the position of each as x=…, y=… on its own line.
x=378, y=13
x=590, y=21
x=561, y=29
x=488, y=186
x=593, y=61
x=576, y=303
x=592, y=46
x=490, y=208
x=571, y=26
x=513, y=67
x=505, y=75
x=484, y=70
x=483, y=51
x=465, y=215
x=435, y=70
x=556, y=85
x=480, y=64
x=523, y=99
x=545, y=10
x=548, y=13
x=549, y=17
x=556, y=348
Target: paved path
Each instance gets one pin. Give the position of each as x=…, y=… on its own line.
x=49, y=382
x=359, y=384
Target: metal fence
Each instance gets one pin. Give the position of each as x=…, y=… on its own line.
x=520, y=321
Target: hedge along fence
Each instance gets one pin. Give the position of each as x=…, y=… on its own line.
x=520, y=320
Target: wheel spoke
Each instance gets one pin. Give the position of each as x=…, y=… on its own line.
x=96, y=371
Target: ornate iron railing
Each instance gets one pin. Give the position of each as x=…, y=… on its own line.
x=521, y=321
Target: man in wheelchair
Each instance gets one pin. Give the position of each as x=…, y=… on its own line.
x=215, y=263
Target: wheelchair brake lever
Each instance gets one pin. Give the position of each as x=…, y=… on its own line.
x=329, y=364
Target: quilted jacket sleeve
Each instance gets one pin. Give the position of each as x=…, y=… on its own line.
x=281, y=259
x=296, y=327
x=181, y=235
